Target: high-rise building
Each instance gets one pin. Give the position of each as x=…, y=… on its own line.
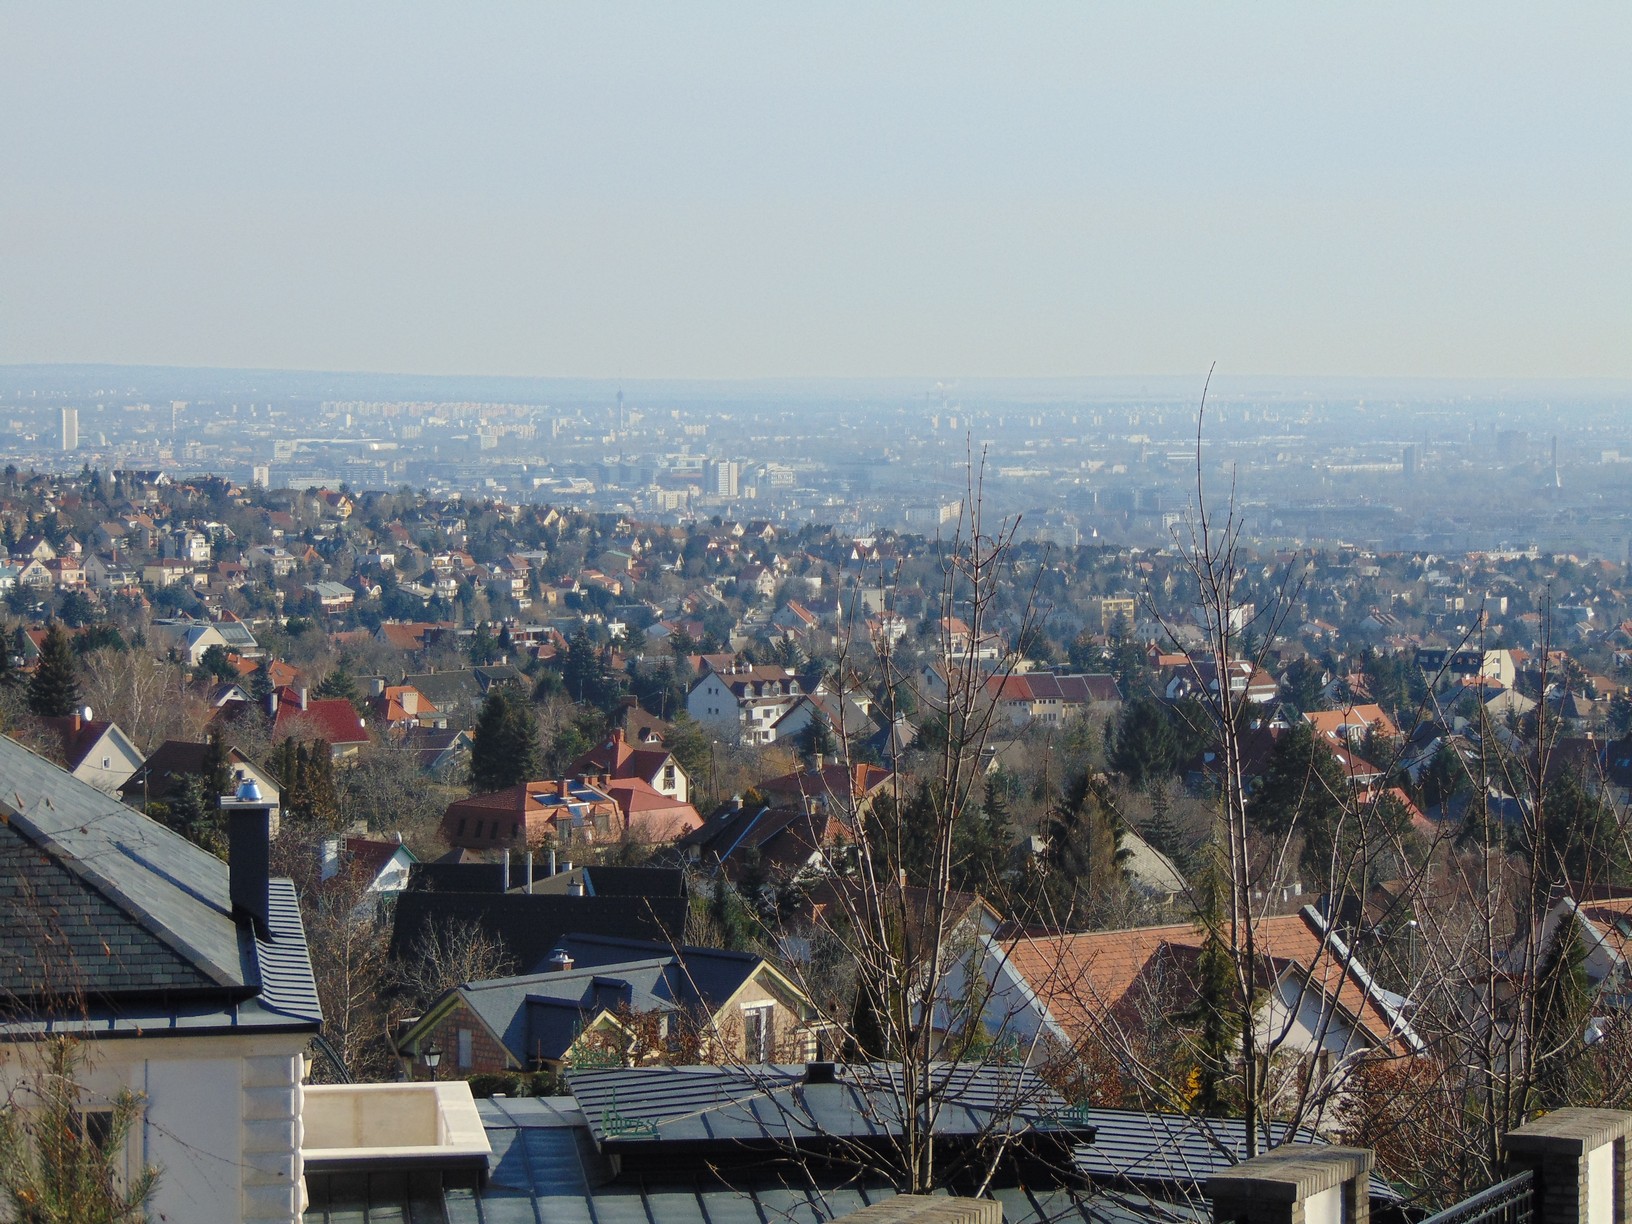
x=70, y=429
x=720, y=480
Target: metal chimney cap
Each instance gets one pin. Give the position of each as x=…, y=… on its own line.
x=249, y=791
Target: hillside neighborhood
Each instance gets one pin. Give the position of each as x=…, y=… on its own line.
x=343, y=795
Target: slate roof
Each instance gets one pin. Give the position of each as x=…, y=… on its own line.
x=772, y=1106
x=545, y=1167
x=447, y=689
x=97, y=898
x=530, y=925
x=540, y=1014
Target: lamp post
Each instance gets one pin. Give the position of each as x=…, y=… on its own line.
x=432, y=1057
x=1411, y=930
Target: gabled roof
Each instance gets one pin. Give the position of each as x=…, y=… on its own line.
x=97, y=898
x=530, y=925
x=1084, y=978
x=81, y=735
x=331, y=718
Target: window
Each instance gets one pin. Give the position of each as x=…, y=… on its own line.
x=668, y=776
x=461, y=826
x=479, y=825
x=465, y=1057
x=756, y=1033
x=93, y=1124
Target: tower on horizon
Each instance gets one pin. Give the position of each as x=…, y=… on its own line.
x=70, y=429
x=1558, y=483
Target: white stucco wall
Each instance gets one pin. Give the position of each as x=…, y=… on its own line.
x=221, y=1120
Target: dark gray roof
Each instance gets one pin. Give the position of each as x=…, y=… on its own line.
x=447, y=689
x=545, y=1167
x=1170, y=1149
x=133, y=916
x=530, y=925
x=774, y=1106
x=540, y=1014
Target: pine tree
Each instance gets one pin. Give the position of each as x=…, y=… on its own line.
x=54, y=690
x=1144, y=748
x=1215, y=1017
x=1084, y=859
x=54, y=1168
x=506, y=748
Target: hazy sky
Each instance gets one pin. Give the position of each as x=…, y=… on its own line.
x=714, y=190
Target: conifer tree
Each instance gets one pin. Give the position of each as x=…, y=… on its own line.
x=506, y=748
x=1215, y=1016
x=54, y=1168
x=54, y=690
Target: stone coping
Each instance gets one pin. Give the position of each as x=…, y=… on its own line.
x=402, y=1125
x=1567, y=1132
x=1291, y=1173
x=927, y=1209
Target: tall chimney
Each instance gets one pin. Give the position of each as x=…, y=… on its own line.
x=551, y=868
x=303, y=696
x=529, y=873
x=272, y=703
x=505, y=876
x=249, y=856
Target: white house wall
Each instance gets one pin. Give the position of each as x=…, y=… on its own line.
x=220, y=1120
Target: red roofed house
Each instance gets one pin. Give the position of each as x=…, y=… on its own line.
x=530, y=815
x=1091, y=991
x=307, y=718
x=652, y=764
x=650, y=816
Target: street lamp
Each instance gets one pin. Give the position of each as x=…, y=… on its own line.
x=433, y=1059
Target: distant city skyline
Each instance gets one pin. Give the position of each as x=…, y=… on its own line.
x=738, y=192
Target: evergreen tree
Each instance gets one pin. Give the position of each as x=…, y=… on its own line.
x=339, y=683
x=1161, y=834
x=54, y=690
x=1084, y=860
x=1215, y=1016
x=1304, y=789
x=9, y=674
x=980, y=850
x=216, y=662
x=1561, y=1072
x=1143, y=747
x=57, y=1169
x=506, y=748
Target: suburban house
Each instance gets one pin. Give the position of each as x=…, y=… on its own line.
x=1246, y=681
x=379, y=867
x=653, y=764
x=1046, y=699
x=1352, y=723
x=189, y=638
x=189, y=976
x=1090, y=991
x=530, y=815
x=600, y=999
x=95, y=750
x=156, y=778
x=1443, y=667
x=744, y=702
x=332, y=719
